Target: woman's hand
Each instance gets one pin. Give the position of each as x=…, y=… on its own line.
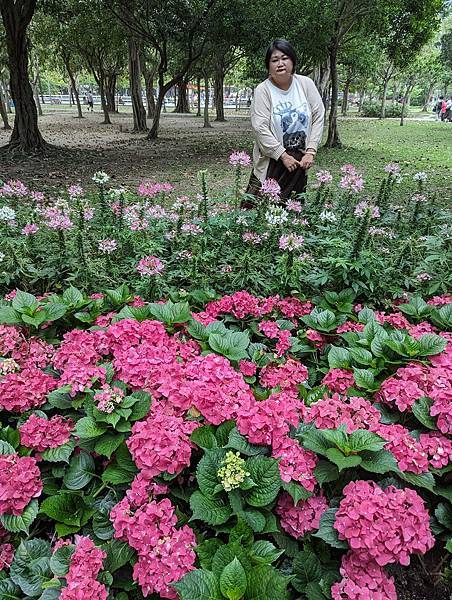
x=307, y=161
x=290, y=162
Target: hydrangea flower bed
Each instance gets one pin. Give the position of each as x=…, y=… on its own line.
x=244, y=448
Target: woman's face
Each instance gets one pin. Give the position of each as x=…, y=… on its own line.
x=280, y=67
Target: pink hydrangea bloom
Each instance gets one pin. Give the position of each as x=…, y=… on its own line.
x=247, y=368
x=9, y=338
x=165, y=553
x=6, y=556
x=81, y=589
x=293, y=307
x=440, y=300
x=405, y=387
x=353, y=411
x=338, y=380
x=267, y=421
x=170, y=559
x=161, y=443
x=34, y=352
x=303, y=518
x=20, y=481
x=77, y=358
x=214, y=388
x=26, y=389
x=40, y=434
x=420, y=329
x=316, y=337
x=296, y=463
x=350, y=326
x=388, y=525
x=437, y=447
x=272, y=330
x=287, y=375
x=407, y=451
x=85, y=564
x=363, y=579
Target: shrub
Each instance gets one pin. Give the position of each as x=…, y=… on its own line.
x=158, y=463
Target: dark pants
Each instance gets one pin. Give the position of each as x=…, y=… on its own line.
x=291, y=183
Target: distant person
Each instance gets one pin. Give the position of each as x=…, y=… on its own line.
x=443, y=110
x=438, y=106
x=90, y=101
x=287, y=118
x=448, y=115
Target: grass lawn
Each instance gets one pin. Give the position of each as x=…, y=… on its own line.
x=184, y=147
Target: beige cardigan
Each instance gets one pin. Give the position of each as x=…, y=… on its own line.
x=267, y=145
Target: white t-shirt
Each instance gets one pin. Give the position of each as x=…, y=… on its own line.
x=291, y=115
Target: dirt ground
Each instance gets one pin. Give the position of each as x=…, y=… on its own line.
x=85, y=146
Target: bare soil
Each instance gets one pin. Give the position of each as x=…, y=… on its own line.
x=83, y=146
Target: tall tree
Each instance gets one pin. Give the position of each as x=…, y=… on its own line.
x=177, y=31
x=139, y=112
x=25, y=137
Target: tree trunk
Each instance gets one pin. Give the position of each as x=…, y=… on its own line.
x=6, y=97
x=139, y=112
x=395, y=93
x=182, y=105
x=429, y=96
x=409, y=89
x=198, y=85
x=219, y=96
x=74, y=89
x=163, y=88
x=207, y=124
x=34, y=85
x=26, y=136
x=361, y=99
x=3, y=112
x=333, y=140
x=344, y=106
x=322, y=74
x=150, y=100
x=383, y=99
x=110, y=92
x=103, y=100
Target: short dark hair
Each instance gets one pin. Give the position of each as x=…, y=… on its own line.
x=283, y=46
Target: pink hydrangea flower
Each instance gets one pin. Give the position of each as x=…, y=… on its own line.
x=405, y=387
x=161, y=443
x=267, y=421
x=338, y=380
x=9, y=339
x=314, y=336
x=363, y=579
x=437, y=447
x=352, y=411
x=26, y=389
x=247, y=368
x=20, y=482
x=296, y=463
x=6, y=556
x=388, y=525
x=407, y=451
x=302, y=518
x=85, y=564
x=165, y=553
x=286, y=376
x=40, y=434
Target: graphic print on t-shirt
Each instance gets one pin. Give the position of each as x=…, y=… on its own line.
x=294, y=124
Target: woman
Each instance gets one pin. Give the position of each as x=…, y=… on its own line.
x=287, y=118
